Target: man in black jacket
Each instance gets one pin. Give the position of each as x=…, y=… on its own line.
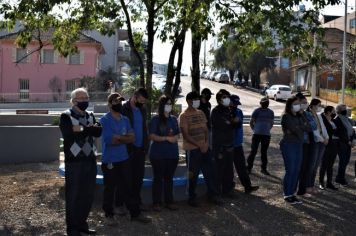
x=134, y=109
x=78, y=129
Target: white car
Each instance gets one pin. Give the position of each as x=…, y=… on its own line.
x=279, y=92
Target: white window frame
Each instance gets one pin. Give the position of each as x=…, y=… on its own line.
x=54, y=59
x=24, y=90
x=16, y=57
x=70, y=58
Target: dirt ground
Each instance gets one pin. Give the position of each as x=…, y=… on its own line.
x=32, y=203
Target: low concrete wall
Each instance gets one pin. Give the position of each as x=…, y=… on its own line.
x=19, y=144
x=27, y=120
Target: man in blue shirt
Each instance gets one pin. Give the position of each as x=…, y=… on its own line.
x=117, y=132
x=261, y=123
x=239, y=157
x=135, y=111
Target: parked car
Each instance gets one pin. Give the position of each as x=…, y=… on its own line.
x=203, y=74
x=159, y=82
x=278, y=91
x=222, y=78
x=241, y=83
x=213, y=76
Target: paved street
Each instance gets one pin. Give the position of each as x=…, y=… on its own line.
x=250, y=100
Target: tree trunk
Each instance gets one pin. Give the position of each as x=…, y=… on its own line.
x=179, y=66
x=149, y=53
x=195, y=70
x=170, y=69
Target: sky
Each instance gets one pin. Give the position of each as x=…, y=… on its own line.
x=161, y=50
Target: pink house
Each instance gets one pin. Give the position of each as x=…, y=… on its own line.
x=44, y=76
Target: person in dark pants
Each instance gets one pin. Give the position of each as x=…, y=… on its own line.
x=117, y=132
x=330, y=150
x=193, y=125
x=78, y=129
x=223, y=125
x=346, y=135
x=135, y=111
x=308, y=136
x=293, y=126
x=205, y=105
x=261, y=123
x=163, y=154
x=239, y=156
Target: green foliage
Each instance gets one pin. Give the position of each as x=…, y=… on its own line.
x=349, y=90
x=130, y=85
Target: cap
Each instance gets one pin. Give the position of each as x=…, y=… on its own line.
x=192, y=95
x=235, y=99
x=206, y=91
x=264, y=99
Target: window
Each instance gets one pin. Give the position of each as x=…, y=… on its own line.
x=48, y=56
x=353, y=23
x=75, y=59
x=70, y=86
x=20, y=53
x=24, y=89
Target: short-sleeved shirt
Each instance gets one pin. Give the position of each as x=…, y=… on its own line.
x=264, y=118
x=112, y=126
x=196, y=123
x=138, y=127
x=165, y=149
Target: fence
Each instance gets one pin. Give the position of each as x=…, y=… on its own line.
x=335, y=95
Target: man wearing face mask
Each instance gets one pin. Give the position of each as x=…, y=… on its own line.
x=261, y=123
x=193, y=125
x=205, y=105
x=223, y=125
x=345, y=134
x=134, y=110
x=117, y=133
x=79, y=129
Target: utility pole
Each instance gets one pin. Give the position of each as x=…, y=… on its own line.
x=342, y=100
x=313, y=92
x=204, y=55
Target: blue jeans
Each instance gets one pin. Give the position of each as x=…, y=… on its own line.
x=316, y=154
x=292, y=155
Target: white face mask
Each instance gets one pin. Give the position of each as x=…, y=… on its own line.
x=226, y=102
x=167, y=108
x=304, y=106
x=196, y=104
x=318, y=109
x=296, y=107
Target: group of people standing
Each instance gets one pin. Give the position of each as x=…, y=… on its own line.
x=312, y=138
x=213, y=144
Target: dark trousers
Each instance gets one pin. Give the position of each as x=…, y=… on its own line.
x=163, y=172
x=137, y=169
x=344, y=152
x=292, y=156
x=119, y=175
x=328, y=162
x=80, y=181
x=198, y=161
x=302, y=186
x=317, y=150
x=224, y=169
x=240, y=166
x=256, y=140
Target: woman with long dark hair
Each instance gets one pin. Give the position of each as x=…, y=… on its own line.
x=163, y=153
x=293, y=126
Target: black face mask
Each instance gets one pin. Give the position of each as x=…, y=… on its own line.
x=344, y=112
x=116, y=107
x=207, y=97
x=333, y=115
x=264, y=105
x=138, y=104
x=82, y=105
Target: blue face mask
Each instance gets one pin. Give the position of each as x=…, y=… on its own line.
x=83, y=105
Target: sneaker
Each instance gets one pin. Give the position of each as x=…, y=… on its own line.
x=110, y=220
x=331, y=186
x=193, y=203
x=322, y=186
x=121, y=211
x=265, y=172
x=290, y=200
x=342, y=182
x=156, y=207
x=251, y=189
x=171, y=207
x=231, y=195
x=141, y=219
x=296, y=200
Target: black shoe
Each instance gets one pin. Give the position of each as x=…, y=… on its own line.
x=331, y=186
x=251, y=189
x=292, y=200
x=341, y=182
x=141, y=219
x=193, y=203
x=88, y=231
x=215, y=201
x=265, y=172
x=231, y=195
x=296, y=200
